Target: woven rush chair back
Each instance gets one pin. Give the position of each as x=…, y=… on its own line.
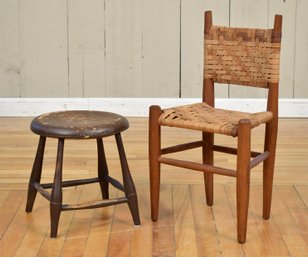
x=241, y=56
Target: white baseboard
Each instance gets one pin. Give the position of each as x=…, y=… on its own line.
x=138, y=107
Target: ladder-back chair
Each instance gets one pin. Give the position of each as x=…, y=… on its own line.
x=240, y=56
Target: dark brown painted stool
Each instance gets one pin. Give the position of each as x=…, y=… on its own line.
x=80, y=125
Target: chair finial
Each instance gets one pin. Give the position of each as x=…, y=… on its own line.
x=207, y=21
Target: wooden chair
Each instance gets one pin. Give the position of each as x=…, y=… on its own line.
x=241, y=56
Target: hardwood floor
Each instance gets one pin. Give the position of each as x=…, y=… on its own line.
x=186, y=226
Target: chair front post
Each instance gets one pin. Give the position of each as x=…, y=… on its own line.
x=243, y=178
x=208, y=158
x=154, y=154
x=208, y=141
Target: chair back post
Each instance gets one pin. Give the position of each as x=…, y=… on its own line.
x=273, y=93
x=208, y=95
x=276, y=35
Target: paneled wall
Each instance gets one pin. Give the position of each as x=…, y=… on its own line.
x=134, y=48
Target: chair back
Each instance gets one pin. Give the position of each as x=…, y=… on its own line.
x=242, y=56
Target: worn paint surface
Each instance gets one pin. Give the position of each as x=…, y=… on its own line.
x=79, y=124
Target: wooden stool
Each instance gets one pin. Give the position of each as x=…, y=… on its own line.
x=80, y=125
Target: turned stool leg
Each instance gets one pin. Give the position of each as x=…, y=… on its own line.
x=129, y=186
x=56, y=193
x=102, y=169
x=35, y=174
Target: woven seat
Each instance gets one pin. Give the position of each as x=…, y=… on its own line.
x=203, y=117
x=234, y=56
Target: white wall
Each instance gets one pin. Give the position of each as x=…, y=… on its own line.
x=133, y=48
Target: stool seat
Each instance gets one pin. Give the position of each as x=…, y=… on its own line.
x=79, y=124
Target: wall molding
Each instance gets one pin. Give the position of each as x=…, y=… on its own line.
x=138, y=107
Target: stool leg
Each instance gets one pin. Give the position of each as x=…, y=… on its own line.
x=102, y=169
x=129, y=186
x=35, y=174
x=56, y=193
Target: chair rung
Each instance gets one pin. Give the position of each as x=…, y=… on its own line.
x=182, y=147
x=260, y=158
x=196, y=144
x=231, y=150
x=197, y=166
x=93, y=204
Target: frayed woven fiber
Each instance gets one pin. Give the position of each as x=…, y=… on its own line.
x=203, y=117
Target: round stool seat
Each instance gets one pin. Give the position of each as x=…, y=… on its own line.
x=79, y=124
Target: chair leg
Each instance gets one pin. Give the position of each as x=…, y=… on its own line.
x=35, y=174
x=129, y=187
x=208, y=158
x=102, y=169
x=243, y=179
x=268, y=167
x=154, y=154
x=56, y=192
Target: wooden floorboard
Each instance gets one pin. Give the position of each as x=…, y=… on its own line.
x=186, y=225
